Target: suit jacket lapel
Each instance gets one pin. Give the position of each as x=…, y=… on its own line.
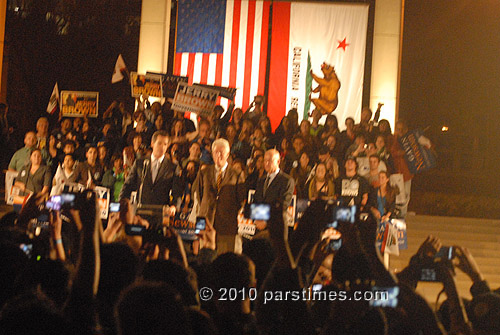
x=161, y=170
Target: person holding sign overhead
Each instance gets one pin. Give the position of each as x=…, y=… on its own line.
x=220, y=191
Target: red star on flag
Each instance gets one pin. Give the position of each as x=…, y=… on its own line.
x=343, y=44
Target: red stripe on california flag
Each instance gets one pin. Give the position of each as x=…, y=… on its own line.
x=248, y=54
x=190, y=68
x=204, y=68
x=178, y=60
x=218, y=70
x=263, y=47
x=279, y=62
x=234, y=43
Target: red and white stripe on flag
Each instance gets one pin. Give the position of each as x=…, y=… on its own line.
x=243, y=62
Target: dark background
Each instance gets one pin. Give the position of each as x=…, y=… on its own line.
x=450, y=75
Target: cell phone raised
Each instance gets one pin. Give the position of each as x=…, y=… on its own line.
x=445, y=253
x=114, y=207
x=54, y=203
x=385, y=296
x=342, y=214
x=260, y=212
x=201, y=224
x=334, y=245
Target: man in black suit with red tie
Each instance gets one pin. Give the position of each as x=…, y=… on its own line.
x=275, y=188
x=152, y=177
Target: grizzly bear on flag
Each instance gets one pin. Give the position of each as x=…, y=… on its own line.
x=328, y=88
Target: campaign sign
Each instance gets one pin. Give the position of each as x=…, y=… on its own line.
x=146, y=84
x=169, y=83
x=185, y=228
x=396, y=180
x=9, y=181
x=79, y=104
x=402, y=235
x=225, y=92
x=195, y=99
x=418, y=157
x=103, y=199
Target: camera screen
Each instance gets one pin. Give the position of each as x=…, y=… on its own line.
x=345, y=214
x=200, y=225
x=335, y=245
x=385, y=297
x=132, y=230
x=68, y=199
x=26, y=248
x=54, y=203
x=114, y=207
x=260, y=212
x=428, y=275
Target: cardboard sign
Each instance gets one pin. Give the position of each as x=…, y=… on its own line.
x=79, y=104
x=195, y=99
x=169, y=83
x=9, y=181
x=402, y=236
x=146, y=84
x=290, y=211
x=396, y=180
x=103, y=198
x=225, y=92
x=184, y=227
x=418, y=157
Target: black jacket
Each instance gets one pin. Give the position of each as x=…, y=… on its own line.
x=157, y=193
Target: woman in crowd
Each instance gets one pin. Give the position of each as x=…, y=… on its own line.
x=194, y=154
x=331, y=127
x=383, y=198
x=104, y=159
x=63, y=174
x=128, y=159
x=255, y=171
x=320, y=186
x=236, y=121
x=115, y=177
x=301, y=174
x=383, y=153
x=35, y=177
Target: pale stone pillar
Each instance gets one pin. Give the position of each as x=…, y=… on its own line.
x=154, y=36
x=386, y=58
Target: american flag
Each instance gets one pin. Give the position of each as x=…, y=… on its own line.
x=223, y=43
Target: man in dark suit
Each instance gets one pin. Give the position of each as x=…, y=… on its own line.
x=220, y=191
x=152, y=176
x=275, y=188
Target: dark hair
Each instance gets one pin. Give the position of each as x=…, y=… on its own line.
x=134, y=313
x=88, y=147
x=232, y=270
x=162, y=133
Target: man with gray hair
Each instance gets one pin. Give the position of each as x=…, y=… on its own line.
x=220, y=191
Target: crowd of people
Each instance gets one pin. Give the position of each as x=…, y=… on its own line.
x=79, y=274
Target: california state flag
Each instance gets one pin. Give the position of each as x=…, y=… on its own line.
x=319, y=32
x=53, y=101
